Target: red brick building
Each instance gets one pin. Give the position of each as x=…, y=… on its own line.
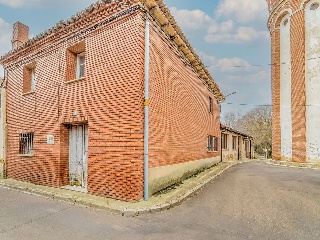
x=114, y=102
x=295, y=30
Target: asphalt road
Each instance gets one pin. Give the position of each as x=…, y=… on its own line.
x=248, y=201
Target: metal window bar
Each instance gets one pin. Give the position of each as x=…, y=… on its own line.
x=26, y=143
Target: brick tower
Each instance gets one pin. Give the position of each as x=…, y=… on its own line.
x=295, y=30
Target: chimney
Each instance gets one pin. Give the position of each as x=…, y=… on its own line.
x=20, y=34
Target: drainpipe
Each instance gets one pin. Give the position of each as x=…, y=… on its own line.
x=146, y=111
x=221, y=158
x=4, y=122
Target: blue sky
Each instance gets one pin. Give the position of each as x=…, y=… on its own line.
x=230, y=36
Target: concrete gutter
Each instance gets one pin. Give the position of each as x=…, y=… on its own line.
x=315, y=166
x=164, y=200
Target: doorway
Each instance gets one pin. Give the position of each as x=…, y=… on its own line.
x=78, y=156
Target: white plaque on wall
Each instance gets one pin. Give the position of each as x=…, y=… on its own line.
x=50, y=139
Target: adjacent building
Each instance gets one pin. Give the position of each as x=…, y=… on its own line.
x=235, y=145
x=295, y=30
x=114, y=102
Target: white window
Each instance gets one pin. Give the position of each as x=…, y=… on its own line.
x=33, y=80
x=80, y=65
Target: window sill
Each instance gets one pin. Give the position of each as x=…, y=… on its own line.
x=75, y=80
x=28, y=93
x=25, y=155
x=212, y=151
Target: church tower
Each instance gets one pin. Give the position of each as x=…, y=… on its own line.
x=295, y=38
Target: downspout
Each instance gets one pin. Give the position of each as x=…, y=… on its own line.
x=221, y=145
x=4, y=121
x=238, y=148
x=146, y=111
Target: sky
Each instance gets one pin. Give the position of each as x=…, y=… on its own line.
x=230, y=36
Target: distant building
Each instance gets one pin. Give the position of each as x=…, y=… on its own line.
x=235, y=145
x=295, y=30
x=113, y=102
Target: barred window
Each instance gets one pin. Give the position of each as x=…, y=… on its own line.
x=26, y=143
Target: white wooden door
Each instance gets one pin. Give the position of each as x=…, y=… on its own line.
x=78, y=155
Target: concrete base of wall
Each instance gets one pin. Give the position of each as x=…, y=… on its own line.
x=2, y=169
x=162, y=177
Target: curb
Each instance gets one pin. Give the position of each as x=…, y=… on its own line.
x=162, y=202
x=314, y=166
x=179, y=200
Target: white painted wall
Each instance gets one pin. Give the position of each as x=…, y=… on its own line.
x=285, y=90
x=312, y=47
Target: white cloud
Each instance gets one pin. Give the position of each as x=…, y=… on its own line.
x=207, y=59
x=194, y=19
x=241, y=35
x=5, y=36
x=243, y=11
x=251, y=79
x=226, y=64
x=5, y=40
x=224, y=31
x=233, y=65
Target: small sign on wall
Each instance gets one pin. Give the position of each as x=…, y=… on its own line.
x=50, y=139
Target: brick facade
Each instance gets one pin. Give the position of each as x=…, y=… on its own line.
x=295, y=9
x=109, y=99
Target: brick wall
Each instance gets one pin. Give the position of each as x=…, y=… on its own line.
x=109, y=98
x=298, y=86
x=179, y=108
x=298, y=78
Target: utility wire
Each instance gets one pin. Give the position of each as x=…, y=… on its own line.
x=256, y=65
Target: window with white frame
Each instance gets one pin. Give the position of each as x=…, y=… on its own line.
x=75, y=61
x=26, y=143
x=212, y=143
x=33, y=80
x=80, y=65
x=29, y=78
